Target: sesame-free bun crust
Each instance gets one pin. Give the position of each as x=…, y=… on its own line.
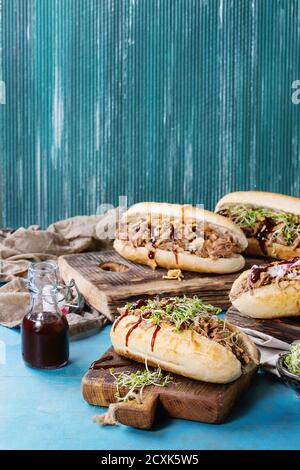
x=273, y=251
x=270, y=301
x=181, y=260
x=275, y=201
x=184, y=212
x=184, y=352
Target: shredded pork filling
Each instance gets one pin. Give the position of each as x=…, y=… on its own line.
x=205, y=324
x=206, y=242
x=279, y=273
x=285, y=232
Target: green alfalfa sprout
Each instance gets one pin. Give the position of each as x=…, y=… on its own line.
x=288, y=224
x=248, y=216
x=136, y=382
x=289, y=227
x=292, y=360
x=181, y=311
x=185, y=310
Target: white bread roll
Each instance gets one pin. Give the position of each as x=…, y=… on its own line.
x=269, y=301
x=181, y=260
x=281, y=251
x=273, y=201
x=186, y=352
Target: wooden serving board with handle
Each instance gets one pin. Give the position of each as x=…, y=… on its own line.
x=183, y=398
x=107, y=281
x=286, y=329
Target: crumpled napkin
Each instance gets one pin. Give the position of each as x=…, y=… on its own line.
x=14, y=302
x=21, y=247
x=270, y=348
x=73, y=235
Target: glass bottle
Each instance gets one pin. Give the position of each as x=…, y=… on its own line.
x=45, y=341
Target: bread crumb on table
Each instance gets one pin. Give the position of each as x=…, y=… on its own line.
x=174, y=274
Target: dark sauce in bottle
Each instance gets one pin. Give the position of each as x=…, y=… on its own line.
x=45, y=342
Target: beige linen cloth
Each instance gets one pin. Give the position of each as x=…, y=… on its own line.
x=18, y=249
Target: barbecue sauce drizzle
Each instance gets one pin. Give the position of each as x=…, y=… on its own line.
x=96, y=365
x=154, y=337
x=131, y=330
x=223, y=212
x=139, y=303
x=176, y=256
x=117, y=321
x=262, y=234
x=257, y=270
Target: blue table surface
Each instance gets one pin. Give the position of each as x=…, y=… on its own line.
x=45, y=410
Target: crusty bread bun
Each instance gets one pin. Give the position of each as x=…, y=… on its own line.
x=273, y=251
x=275, y=201
x=186, y=352
x=186, y=213
x=269, y=301
x=181, y=260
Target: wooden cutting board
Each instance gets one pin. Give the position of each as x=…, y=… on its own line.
x=184, y=398
x=107, y=280
x=286, y=329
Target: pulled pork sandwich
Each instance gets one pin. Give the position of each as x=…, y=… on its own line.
x=184, y=336
x=268, y=291
x=270, y=221
x=180, y=237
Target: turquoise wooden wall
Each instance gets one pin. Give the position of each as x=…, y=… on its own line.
x=176, y=100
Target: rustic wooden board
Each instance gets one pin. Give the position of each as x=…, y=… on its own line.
x=105, y=289
x=286, y=329
x=184, y=398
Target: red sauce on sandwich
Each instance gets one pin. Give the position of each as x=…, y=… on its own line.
x=176, y=256
x=264, y=231
x=131, y=330
x=96, y=365
x=223, y=212
x=117, y=321
x=257, y=270
x=154, y=337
